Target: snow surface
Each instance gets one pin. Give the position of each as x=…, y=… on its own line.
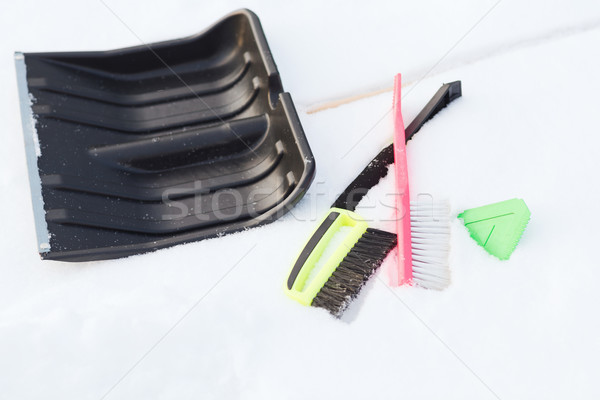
x=210, y=319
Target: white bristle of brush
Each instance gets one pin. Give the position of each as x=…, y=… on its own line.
x=430, y=231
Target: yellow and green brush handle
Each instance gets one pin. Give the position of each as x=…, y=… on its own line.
x=296, y=286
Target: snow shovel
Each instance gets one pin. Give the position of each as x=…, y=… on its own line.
x=137, y=149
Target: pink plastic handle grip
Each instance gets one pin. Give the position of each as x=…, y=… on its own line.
x=403, y=273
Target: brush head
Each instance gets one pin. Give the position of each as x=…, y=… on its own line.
x=430, y=244
x=361, y=262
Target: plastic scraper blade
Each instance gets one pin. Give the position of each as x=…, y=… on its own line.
x=497, y=227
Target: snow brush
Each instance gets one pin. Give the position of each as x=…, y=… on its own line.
x=423, y=230
x=332, y=279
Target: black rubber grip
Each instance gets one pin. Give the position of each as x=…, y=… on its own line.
x=310, y=246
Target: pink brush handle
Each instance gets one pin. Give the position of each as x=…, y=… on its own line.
x=403, y=274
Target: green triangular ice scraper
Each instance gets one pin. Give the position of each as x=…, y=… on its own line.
x=497, y=227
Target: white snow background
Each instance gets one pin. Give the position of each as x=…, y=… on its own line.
x=210, y=320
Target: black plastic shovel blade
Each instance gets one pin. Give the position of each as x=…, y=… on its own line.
x=142, y=148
